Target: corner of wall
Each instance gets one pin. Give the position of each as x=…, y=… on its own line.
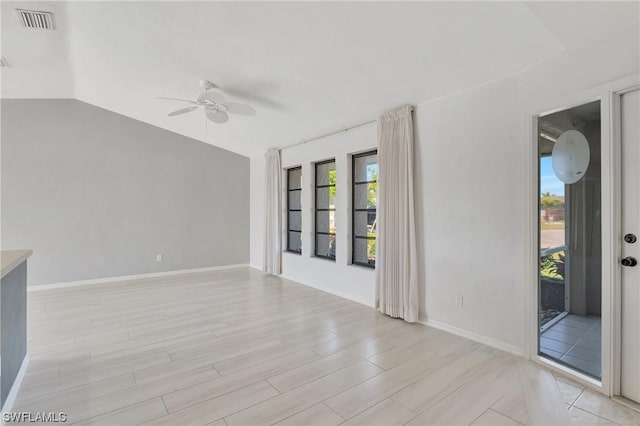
x=256, y=208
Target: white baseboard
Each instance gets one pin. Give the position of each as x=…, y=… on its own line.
x=331, y=291
x=13, y=392
x=494, y=343
x=133, y=277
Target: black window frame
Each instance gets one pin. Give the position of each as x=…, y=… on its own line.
x=355, y=237
x=316, y=209
x=289, y=210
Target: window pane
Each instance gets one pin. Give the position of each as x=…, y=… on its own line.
x=295, y=178
x=295, y=221
x=326, y=173
x=371, y=252
x=295, y=200
x=360, y=251
x=360, y=196
x=372, y=223
x=365, y=168
x=363, y=223
x=325, y=198
x=326, y=221
x=365, y=196
x=364, y=251
x=295, y=241
x=325, y=245
x=372, y=195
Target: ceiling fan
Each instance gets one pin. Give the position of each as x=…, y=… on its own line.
x=215, y=105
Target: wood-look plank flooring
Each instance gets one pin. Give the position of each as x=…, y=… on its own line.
x=239, y=347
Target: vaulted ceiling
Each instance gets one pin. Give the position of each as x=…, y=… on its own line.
x=306, y=67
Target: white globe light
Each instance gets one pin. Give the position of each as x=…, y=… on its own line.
x=570, y=156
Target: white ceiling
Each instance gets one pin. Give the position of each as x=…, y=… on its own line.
x=581, y=23
x=306, y=67
x=38, y=60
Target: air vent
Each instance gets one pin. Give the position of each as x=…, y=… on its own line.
x=35, y=19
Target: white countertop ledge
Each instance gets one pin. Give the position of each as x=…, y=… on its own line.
x=11, y=259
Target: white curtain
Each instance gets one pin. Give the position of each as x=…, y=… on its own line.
x=272, y=252
x=396, y=260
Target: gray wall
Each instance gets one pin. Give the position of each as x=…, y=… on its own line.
x=96, y=194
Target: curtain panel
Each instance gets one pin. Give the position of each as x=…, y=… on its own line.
x=396, y=261
x=272, y=253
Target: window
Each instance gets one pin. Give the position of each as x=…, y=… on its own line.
x=325, y=209
x=294, y=209
x=364, y=215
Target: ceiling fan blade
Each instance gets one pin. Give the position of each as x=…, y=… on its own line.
x=242, y=109
x=182, y=111
x=215, y=97
x=217, y=116
x=174, y=99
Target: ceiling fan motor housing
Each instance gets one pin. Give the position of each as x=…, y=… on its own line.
x=207, y=85
x=215, y=105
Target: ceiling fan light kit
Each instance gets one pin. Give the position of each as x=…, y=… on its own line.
x=214, y=104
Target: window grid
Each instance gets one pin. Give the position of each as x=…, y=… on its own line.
x=330, y=234
x=289, y=210
x=371, y=263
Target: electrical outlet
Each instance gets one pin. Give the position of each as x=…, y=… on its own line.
x=158, y=258
x=458, y=301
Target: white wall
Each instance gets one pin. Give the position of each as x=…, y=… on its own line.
x=472, y=181
x=338, y=277
x=470, y=207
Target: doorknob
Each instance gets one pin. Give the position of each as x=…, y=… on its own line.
x=629, y=261
x=630, y=238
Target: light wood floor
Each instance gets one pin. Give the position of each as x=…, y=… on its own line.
x=239, y=347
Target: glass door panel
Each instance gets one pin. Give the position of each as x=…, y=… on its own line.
x=570, y=244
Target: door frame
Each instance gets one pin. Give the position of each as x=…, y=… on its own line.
x=609, y=96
